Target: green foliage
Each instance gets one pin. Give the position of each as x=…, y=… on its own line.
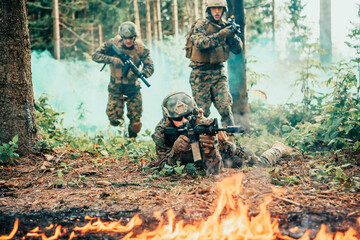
x=300, y=32
x=259, y=20
x=8, y=151
x=309, y=75
x=79, y=21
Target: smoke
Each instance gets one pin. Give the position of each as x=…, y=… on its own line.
x=79, y=89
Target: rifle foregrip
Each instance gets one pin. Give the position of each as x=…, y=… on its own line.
x=234, y=129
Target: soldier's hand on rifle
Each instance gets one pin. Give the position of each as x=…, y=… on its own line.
x=206, y=121
x=226, y=32
x=131, y=74
x=182, y=144
x=207, y=140
x=117, y=62
x=222, y=136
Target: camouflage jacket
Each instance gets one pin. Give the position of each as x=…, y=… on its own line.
x=203, y=41
x=211, y=161
x=139, y=53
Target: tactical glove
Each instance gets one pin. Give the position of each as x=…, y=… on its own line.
x=206, y=121
x=207, y=140
x=131, y=74
x=182, y=144
x=226, y=32
x=116, y=62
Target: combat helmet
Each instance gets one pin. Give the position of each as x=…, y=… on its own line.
x=128, y=30
x=178, y=104
x=216, y=3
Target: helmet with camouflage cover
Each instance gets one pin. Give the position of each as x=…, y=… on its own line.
x=128, y=30
x=216, y=3
x=178, y=104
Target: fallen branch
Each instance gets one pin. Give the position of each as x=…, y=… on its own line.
x=287, y=200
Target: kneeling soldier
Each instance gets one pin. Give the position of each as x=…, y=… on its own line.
x=181, y=113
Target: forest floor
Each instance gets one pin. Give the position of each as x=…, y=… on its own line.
x=65, y=184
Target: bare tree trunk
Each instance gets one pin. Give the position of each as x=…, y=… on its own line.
x=16, y=90
x=158, y=8
x=196, y=9
x=325, y=31
x=175, y=18
x=56, y=29
x=100, y=35
x=273, y=24
x=203, y=8
x=237, y=70
x=188, y=9
x=92, y=48
x=148, y=22
x=137, y=18
x=155, y=26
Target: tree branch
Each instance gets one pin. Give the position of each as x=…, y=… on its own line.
x=76, y=35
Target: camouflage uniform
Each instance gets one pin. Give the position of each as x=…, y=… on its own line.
x=235, y=155
x=208, y=79
x=227, y=155
x=179, y=105
x=211, y=161
x=125, y=88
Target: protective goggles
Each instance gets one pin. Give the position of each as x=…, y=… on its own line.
x=178, y=119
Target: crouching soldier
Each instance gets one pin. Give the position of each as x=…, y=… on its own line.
x=180, y=112
x=125, y=87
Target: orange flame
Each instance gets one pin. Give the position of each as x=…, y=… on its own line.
x=230, y=221
x=13, y=232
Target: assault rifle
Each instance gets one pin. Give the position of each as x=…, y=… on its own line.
x=193, y=130
x=234, y=26
x=128, y=64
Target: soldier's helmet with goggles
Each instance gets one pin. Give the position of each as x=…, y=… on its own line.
x=216, y=4
x=177, y=105
x=128, y=30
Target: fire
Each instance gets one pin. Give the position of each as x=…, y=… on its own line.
x=230, y=221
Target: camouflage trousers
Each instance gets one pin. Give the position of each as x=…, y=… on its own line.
x=118, y=96
x=211, y=86
x=236, y=155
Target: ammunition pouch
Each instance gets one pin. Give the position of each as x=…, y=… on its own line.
x=129, y=89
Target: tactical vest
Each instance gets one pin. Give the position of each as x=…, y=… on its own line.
x=135, y=53
x=215, y=55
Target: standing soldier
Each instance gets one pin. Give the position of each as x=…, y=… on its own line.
x=125, y=88
x=208, y=47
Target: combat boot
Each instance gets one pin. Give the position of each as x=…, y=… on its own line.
x=114, y=123
x=134, y=129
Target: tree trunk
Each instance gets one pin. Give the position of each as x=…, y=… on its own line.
x=273, y=24
x=137, y=18
x=56, y=29
x=16, y=90
x=158, y=8
x=175, y=18
x=92, y=48
x=156, y=32
x=325, y=31
x=100, y=35
x=237, y=70
x=203, y=8
x=196, y=9
x=148, y=22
